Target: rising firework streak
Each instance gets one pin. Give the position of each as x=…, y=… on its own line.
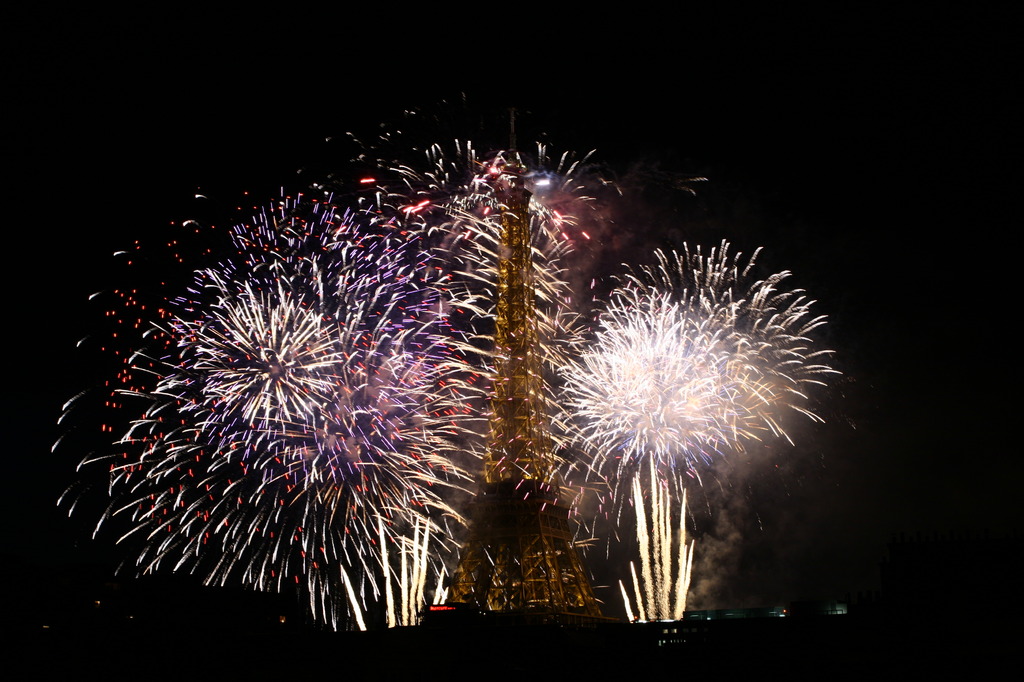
x=660, y=590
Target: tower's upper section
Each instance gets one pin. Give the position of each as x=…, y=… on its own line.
x=519, y=453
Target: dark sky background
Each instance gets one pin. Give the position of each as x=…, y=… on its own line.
x=873, y=155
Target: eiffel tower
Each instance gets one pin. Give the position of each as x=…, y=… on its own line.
x=519, y=561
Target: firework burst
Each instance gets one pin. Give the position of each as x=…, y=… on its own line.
x=294, y=429
x=453, y=202
x=692, y=358
x=303, y=405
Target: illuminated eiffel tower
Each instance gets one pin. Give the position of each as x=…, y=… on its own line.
x=519, y=560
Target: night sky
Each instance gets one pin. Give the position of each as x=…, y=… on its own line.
x=871, y=155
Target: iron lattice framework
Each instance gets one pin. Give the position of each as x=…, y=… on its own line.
x=520, y=559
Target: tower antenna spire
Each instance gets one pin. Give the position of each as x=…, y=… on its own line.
x=512, y=128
